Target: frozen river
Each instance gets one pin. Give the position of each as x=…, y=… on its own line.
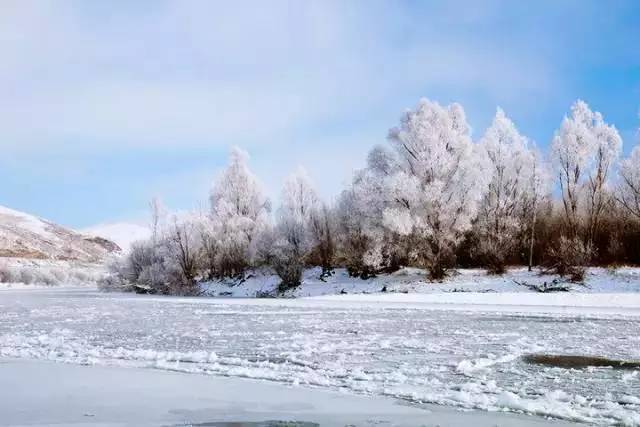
x=468, y=359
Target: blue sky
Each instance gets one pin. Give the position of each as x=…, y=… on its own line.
x=106, y=104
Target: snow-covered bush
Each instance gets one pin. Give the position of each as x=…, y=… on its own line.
x=288, y=264
x=165, y=264
x=143, y=268
x=569, y=257
x=50, y=273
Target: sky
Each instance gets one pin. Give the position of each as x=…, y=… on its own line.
x=104, y=105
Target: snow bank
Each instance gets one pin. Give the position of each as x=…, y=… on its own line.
x=561, y=303
x=412, y=280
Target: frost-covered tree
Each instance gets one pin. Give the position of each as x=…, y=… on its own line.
x=353, y=237
x=367, y=245
x=157, y=223
x=538, y=187
x=322, y=228
x=294, y=239
x=510, y=167
x=158, y=214
x=167, y=263
x=436, y=184
x=606, y=151
x=240, y=212
x=299, y=198
x=412, y=204
x=584, y=151
x=182, y=245
x=210, y=246
x=628, y=193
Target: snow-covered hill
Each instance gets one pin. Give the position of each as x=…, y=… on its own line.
x=122, y=233
x=27, y=236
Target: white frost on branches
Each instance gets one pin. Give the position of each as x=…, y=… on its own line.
x=513, y=176
x=298, y=203
x=438, y=179
x=427, y=196
x=629, y=185
x=240, y=212
x=299, y=198
x=583, y=152
x=294, y=238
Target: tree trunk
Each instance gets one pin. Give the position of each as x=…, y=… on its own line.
x=533, y=231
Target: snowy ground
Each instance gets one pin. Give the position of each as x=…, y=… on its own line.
x=46, y=393
x=412, y=280
x=465, y=358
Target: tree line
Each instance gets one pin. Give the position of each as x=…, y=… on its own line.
x=430, y=198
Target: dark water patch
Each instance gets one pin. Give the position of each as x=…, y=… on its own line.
x=578, y=362
x=551, y=319
x=530, y=318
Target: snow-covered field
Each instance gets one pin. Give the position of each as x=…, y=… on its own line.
x=360, y=344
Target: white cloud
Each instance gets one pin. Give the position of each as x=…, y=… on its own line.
x=206, y=73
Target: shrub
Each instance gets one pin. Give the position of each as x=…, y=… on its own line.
x=287, y=261
x=570, y=258
x=49, y=274
x=493, y=256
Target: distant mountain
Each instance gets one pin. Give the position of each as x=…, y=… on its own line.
x=27, y=236
x=123, y=233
